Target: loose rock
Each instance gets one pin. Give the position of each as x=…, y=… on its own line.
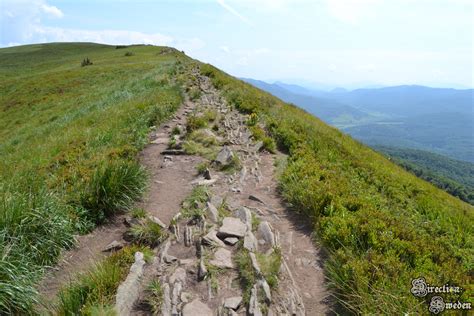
x=231, y=240
x=196, y=307
x=225, y=156
x=232, y=227
x=222, y=259
x=245, y=216
x=250, y=242
x=212, y=212
x=113, y=246
x=233, y=302
x=128, y=291
x=265, y=230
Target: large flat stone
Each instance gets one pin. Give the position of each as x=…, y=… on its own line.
x=232, y=227
x=222, y=259
x=195, y=308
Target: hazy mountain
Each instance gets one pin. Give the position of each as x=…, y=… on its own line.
x=324, y=108
x=439, y=120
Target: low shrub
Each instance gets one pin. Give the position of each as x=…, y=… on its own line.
x=86, y=62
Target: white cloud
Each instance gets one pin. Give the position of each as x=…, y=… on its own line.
x=51, y=10
x=21, y=24
x=42, y=34
x=231, y=10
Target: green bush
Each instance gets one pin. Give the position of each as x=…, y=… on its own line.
x=86, y=62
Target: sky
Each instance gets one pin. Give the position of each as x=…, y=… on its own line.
x=347, y=43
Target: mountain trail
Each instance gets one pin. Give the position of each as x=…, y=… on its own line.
x=240, y=251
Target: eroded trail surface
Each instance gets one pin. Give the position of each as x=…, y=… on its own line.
x=234, y=247
x=239, y=251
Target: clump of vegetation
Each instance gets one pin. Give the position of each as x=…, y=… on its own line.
x=86, y=62
x=147, y=232
x=381, y=225
x=204, y=137
x=233, y=166
x=270, y=266
x=252, y=119
x=247, y=275
x=138, y=213
x=195, y=122
x=114, y=186
x=202, y=167
x=194, y=93
x=96, y=289
x=259, y=134
x=175, y=131
x=194, y=205
x=155, y=296
x=127, y=54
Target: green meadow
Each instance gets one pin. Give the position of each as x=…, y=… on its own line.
x=69, y=137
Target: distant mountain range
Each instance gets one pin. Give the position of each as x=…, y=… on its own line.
x=434, y=119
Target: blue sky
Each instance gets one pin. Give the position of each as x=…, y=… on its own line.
x=335, y=42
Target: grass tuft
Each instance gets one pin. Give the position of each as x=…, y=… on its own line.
x=114, y=187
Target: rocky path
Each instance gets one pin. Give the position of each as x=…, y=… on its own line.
x=233, y=247
x=221, y=259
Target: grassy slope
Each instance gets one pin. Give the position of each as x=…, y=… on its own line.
x=67, y=132
x=69, y=136
x=381, y=225
x=454, y=176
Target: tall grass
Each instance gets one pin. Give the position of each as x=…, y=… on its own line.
x=114, y=186
x=96, y=289
x=69, y=137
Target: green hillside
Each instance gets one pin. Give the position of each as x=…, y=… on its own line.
x=69, y=137
x=454, y=176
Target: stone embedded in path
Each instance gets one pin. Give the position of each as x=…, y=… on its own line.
x=231, y=240
x=212, y=239
x=225, y=156
x=156, y=220
x=212, y=212
x=207, y=174
x=245, y=216
x=216, y=200
x=222, y=259
x=265, y=230
x=233, y=302
x=178, y=275
x=256, y=199
x=195, y=308
x=254, y=308
x=266, y=290
x=202, y=270
x=186, y=297
x=254, y=261
x=166, y=304
x=250, y=242
x=113, y=246
x=232, y=227
x=128, y=291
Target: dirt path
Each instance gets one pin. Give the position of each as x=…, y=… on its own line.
x=243, y=217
